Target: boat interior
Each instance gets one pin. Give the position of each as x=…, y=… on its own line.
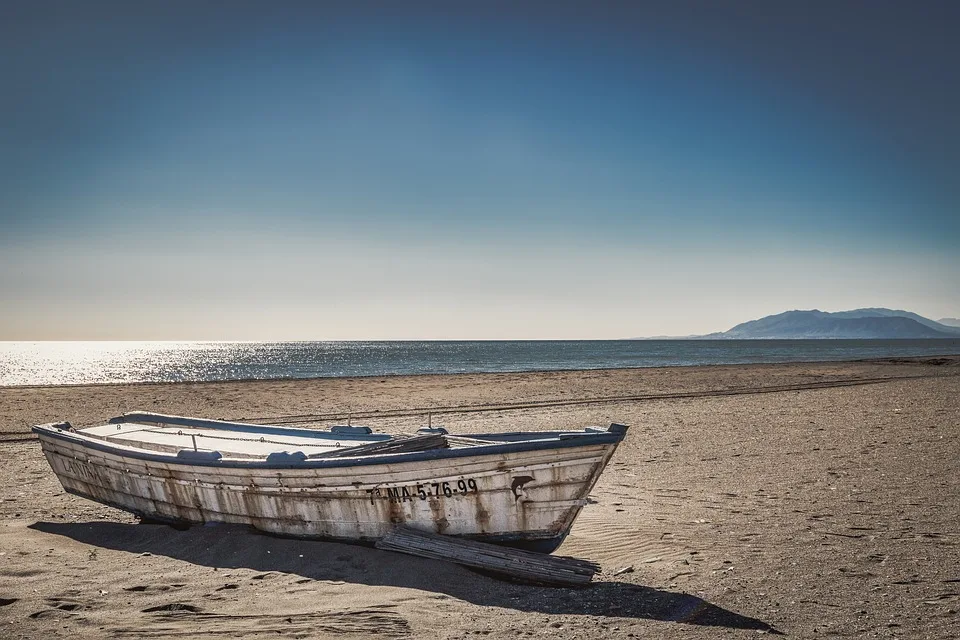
x=174, y=434
x=205, y=439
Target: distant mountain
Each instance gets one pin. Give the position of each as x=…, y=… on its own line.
x=950, y=322
x=859, y=323
x=890, y=313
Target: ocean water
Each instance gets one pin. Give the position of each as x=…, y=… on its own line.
x=58, y=363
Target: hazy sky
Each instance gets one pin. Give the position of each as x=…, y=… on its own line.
x=280, y=170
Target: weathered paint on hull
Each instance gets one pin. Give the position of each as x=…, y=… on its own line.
x=527, y=498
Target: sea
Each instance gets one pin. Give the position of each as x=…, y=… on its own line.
x=72, y=363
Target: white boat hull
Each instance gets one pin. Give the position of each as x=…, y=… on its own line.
x=526, y=497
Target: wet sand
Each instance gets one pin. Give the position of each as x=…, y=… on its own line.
x=808, y=499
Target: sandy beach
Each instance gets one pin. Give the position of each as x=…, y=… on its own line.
x=811, y=500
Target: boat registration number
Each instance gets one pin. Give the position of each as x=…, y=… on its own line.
x=80, y=469
x=424, y=491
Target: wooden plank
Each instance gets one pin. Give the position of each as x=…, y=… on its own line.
x=460, y=442
x=397, y=445
x=514, y=563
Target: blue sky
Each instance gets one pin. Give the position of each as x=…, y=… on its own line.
x=322, y=171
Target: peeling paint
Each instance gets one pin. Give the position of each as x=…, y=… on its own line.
x=518, y=495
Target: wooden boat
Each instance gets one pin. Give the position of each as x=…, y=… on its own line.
x=346, y=483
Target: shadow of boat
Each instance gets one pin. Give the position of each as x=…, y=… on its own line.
x=237, y=547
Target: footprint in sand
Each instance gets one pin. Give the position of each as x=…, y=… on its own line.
x=58, y=607
x=174, y=607
x=10, y=573
x=154, y=587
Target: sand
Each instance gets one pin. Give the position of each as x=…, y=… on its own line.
x=806, y=499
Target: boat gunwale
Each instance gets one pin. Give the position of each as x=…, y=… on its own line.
x=141, y=417
x=146, y=417
x=614, y=434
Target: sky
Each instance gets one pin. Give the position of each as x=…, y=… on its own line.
x=322, y=171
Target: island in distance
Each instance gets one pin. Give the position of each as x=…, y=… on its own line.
x=857, y=324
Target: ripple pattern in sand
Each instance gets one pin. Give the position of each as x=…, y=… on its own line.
x=616, y=545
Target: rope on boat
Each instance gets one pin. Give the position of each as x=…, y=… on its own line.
x=235, y=439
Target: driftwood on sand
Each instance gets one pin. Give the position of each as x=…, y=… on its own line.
x=514, y=563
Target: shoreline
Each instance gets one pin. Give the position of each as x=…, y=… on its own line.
x=950, y=358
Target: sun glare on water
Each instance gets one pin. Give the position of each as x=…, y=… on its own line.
x=34, y=363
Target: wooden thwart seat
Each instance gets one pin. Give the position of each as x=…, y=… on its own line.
x=398, y=444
